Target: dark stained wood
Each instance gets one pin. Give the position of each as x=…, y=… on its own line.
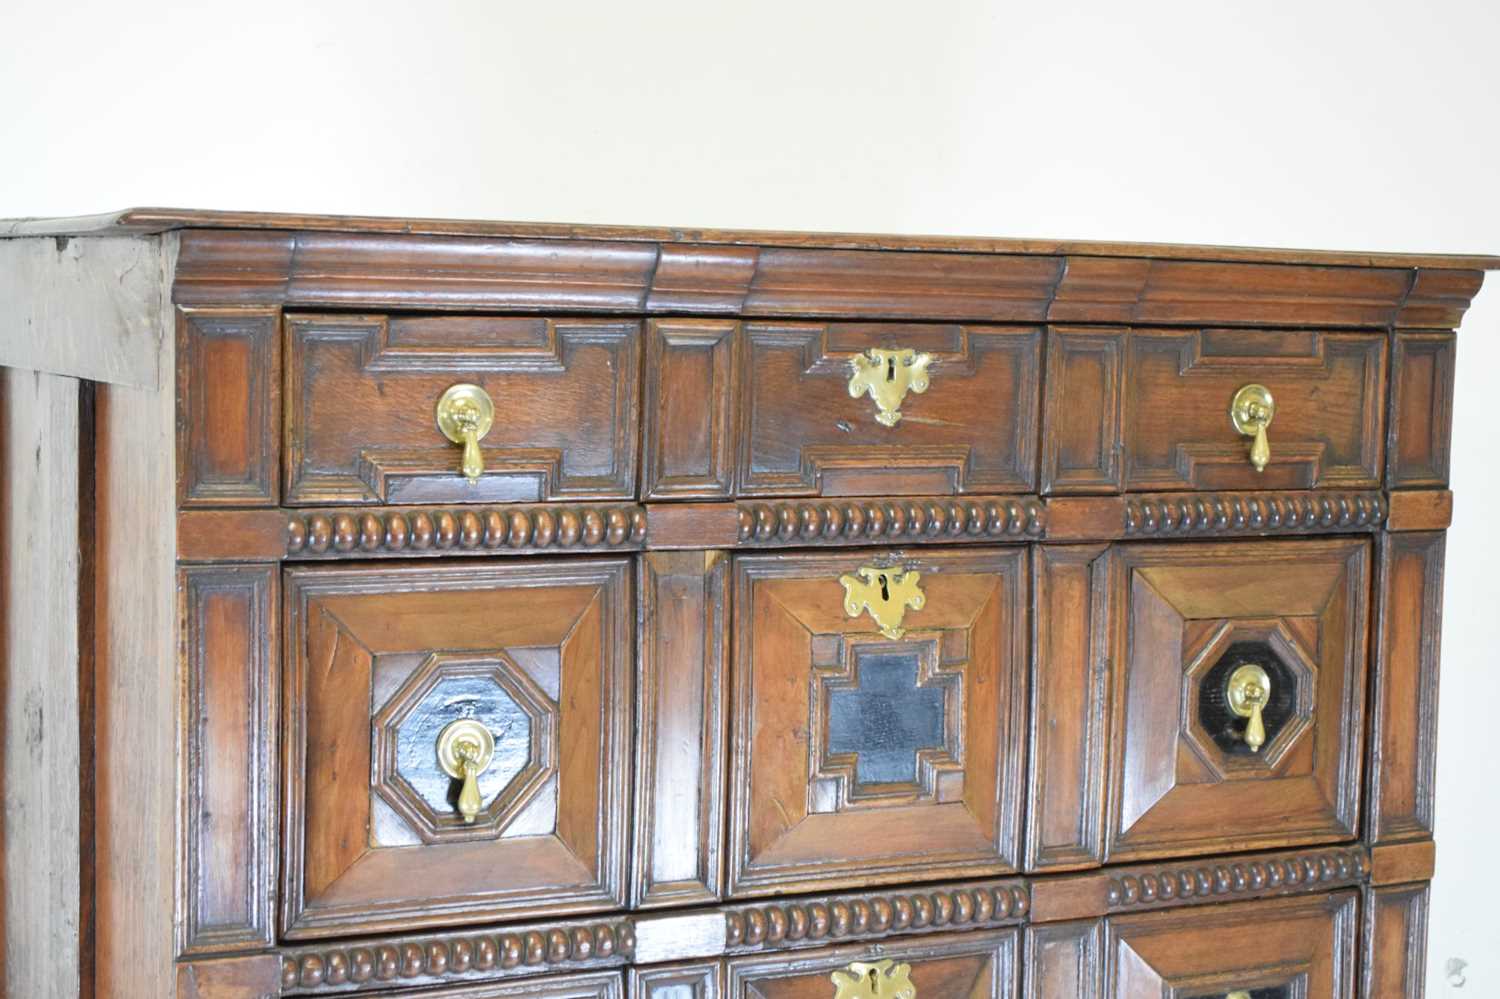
x=1081, y=424
x=1421, y=429
x=1395, y=942
x=798, y=819
x=680, y=751
x=1070, y=670
x=229, y=639
x=363, y=852
x=973, y=431
x=1246, y=946
x=362, y=392
x=691, y=409
x=1184, y=608
x=980, y=965
x=1328, y=429
x=229, y=407
x=1401, y=862
x=598, y=985
x=1403, y=722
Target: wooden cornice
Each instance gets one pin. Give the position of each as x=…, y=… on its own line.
x=323, y=269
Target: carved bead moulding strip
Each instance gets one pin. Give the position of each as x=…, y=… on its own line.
x=1250, y=877
x=457, y=957
x=1182, y=514
x=475, y=531
x=866, y=521
x=817, y=922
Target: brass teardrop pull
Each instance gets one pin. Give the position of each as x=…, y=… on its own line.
x=1248, y=692
x=1251, y=411
x=465, y=748
x=465, y=414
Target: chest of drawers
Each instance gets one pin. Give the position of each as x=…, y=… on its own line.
x=466, y=611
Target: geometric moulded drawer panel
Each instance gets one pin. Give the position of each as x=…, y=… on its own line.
x=526, y=669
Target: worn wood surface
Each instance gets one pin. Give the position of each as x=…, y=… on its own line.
x=45, y=936
x=1395, y=942
x=89, y=308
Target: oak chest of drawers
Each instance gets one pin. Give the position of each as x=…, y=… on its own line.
x=457, y=610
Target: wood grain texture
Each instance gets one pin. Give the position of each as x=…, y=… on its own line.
x=1185, y=609
x=362, y=392
x=1421, y=425
x=136, y=685
x=1394, y=942
x=691, y=409
x=599, y=985
x=229, y=619
x=1404, y=704
x=1070, y=674
x=457, y=957
x=1064, y=960
x=155, y=220
x=229, y=407
x=1304, y=944
x=802, y=434
x=680, y=736
x=980, y=965
x=1082, y=432
x=87, y=308
x=1395, y=863
x=688, y=980
x=796, y=822
x=43, y=879
x=1328, y=429
x=249, y=977
x=361, y=852
x=1420, y=510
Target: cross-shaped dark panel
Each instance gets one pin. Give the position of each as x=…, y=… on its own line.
x=886, y=720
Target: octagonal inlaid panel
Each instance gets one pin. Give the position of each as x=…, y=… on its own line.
x=496, y=692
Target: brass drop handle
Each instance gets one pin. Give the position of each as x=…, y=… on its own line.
x=1238, y=994
x=464, y=415
x=875, y=980
x=465, y=748
x=1249, y=690
x=887, y=375
x=1251, y=412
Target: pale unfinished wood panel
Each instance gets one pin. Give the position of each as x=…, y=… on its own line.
x=39, y=686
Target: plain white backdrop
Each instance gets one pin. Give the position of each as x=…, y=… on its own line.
x=1331, y=125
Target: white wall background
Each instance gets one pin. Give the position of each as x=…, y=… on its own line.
x=1313, y=124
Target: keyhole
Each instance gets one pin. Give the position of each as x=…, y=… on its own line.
x=874, y=980
x=885, y=591
x=890, y=369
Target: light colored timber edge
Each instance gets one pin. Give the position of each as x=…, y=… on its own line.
x=155, y=220
x=39, y=414
x=136, y=676
x=85, y=307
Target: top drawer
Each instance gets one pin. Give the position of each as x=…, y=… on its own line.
x=362, y=394
x=1150, y=410
x=840, y=409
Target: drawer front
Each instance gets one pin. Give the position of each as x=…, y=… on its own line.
x=600, y=985
x=878, y=725
x=1326, y=429
x=840, y=409
x=1212, y=639
x=970, y=965
x=1299, y=948
x=362, y=395
x=388, y=666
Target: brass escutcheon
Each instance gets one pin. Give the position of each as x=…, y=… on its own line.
x=1251, y=411
x=464, y=415
x=874, y=980
x=1248, y=691
x=887, y=375
x=885, y=593
x=464, y=749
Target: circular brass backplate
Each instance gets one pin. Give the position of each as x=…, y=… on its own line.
x=453, y=735
x=1252, y=409
x=1245, y=679
x=461, y=406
